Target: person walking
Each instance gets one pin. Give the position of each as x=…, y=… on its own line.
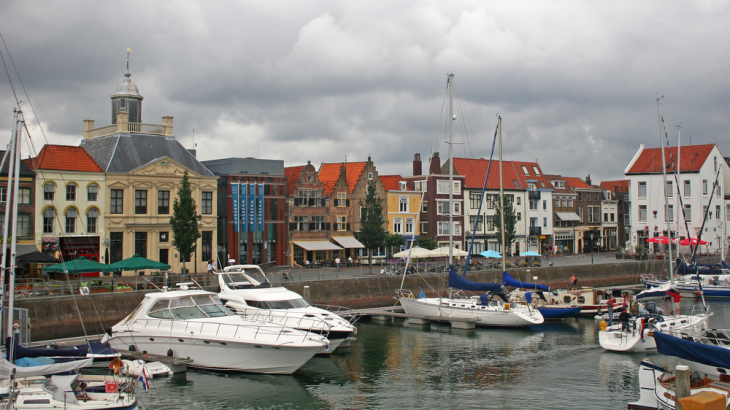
x=211, y=267
x=337, y=262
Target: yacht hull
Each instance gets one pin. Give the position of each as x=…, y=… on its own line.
x=457, y=308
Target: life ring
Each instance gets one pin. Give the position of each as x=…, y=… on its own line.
x=410, y=296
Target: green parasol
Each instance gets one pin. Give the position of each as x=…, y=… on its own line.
x=136, y=263
x=80, y=265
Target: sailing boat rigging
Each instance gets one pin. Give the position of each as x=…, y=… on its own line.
x=483, y=309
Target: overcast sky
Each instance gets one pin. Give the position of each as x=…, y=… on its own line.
x=575, y=82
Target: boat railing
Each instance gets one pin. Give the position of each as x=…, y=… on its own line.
x=342, y=311
x=201, y=329
x=648, y=277
x=309, y=323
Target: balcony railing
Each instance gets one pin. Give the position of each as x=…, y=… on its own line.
x=136, y=127
x=533, y=195
x=535, y=230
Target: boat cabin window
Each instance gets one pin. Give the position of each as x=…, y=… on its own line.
x=278, y=304
x=189, y=307
x=37, y=401
x=581, y=299
x=566, y=299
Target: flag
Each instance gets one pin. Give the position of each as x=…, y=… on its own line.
x=129, y=49
x=143, y=379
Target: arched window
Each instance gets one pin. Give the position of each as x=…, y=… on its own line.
x=91, y=220
x=49, y=190
x=71, y=192
x=71, y=215
x=93, y=192
x=49, y=216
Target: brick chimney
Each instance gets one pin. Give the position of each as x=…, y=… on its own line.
x=435, y=167
x=588, y=179
x=417, y=166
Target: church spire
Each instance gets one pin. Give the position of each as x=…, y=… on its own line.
x=127, y=98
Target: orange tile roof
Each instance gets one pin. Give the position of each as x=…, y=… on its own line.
x=692, y=158
x=475, y=170
x=330, y=173
x=64, y=158
x=576, y=182
x=292, y=178
x=623, y=185
x=391, y=182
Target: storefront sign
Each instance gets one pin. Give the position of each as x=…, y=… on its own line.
x=235, y=204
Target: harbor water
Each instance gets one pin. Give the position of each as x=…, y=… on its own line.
x=556, y=365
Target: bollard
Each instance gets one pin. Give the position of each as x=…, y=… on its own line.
x=306, y=294
x=681, y=385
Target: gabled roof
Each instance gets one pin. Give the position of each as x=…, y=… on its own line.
x=392, y=182
x=566, y=186
x=649, y=160
x=475, y=170
x=292, y=178
x=622, y=184
x=24, y=169
x=124, y=152
x=577, y=183
x=64, y=158
x=330, y=173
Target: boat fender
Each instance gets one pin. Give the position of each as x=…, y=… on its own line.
x=410, y=296
x=132, y=348
x=169, y=352
x=603, y=325
x=506, y=306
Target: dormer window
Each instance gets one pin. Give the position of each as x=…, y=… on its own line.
x=524, y=169
x=517, y=184
x=402, y=185
x=534, y=168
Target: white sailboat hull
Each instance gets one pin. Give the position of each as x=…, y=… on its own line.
x=497, y=316
x=618, y=340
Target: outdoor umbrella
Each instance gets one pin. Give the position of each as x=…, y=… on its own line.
x=491, y=254
x=136, y=263
x=444, y=251
x=36, y=257
x=660, y=239
x=415, y=252
x=80, y=265
x=530, y=253
x=685, y=242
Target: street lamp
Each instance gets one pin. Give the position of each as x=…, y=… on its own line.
x=592, y=244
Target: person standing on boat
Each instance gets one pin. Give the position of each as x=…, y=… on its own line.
x=611, y=304
x=676, y=299
x=573, y=281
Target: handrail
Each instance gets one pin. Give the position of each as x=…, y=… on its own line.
x=260, y=330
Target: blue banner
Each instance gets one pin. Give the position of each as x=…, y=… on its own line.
x=244, y=208
x=260, y=210
x=252, y=207
x=235, y=203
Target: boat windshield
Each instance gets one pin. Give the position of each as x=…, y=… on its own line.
x=233, y=279
x=189, y=307
x=243, y=276
x=279, y=304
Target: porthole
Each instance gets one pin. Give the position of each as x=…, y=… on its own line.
x=206, y=342
x=180, y=340
x=152, y=339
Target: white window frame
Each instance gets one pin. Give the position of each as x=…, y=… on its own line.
x=403, y=204
x=642, y=189
x=410, y=226
x=642, y=213
x=397, y=225
x=442, y=228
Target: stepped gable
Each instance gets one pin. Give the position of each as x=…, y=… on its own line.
x=392, y=182
x=293, y=174
x=330, y=173
x=64, y=158
x=475, y=170
x=623, y=185
x=650, y=159
x=122, y=152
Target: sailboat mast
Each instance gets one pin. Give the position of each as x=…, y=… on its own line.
x=451, y=168
x=13, y=250
x=501, y=196
x=666, y=198
x=678, y=207
x=6, y=222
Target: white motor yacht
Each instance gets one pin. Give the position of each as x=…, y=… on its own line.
x=246, y=291
x=195, y=324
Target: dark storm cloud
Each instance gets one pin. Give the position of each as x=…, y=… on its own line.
x=323, y=81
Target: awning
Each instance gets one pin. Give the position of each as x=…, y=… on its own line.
x=317, y=245
x=348, y=242
x=22, y=249
x=568, y=216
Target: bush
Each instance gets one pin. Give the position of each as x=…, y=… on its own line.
x=537, y=264
x=524, y=264
x=639, y=248
x=618, y=249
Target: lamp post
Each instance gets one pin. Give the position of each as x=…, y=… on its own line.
x=591, y=248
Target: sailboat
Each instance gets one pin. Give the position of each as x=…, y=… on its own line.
x=490, y=309
x=636, y=335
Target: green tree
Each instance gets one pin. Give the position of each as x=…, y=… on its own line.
x=426, y=242
x=393, y=241
x=372, y=234
x=510, y=222
x=184, y=221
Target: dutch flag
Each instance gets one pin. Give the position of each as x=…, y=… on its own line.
x=143, y=379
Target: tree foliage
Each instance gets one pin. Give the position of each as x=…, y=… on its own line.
x=372, y=234
x=426, y=242
x=510, y=222
x=184, y=220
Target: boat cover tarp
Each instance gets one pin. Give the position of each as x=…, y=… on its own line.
x=558, y=312
x=689, y=350
x=701, y=268
x=20, y=352
x=456, y=281
x=510, y=281
x=528, y=296
x=35, y=361
x=6, y=368
x=98, y=349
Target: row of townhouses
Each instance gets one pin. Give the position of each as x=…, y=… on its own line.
x=111, y=197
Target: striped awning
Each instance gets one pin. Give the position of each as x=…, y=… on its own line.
x=348, y=242
x=317, y=245
x=568, y=216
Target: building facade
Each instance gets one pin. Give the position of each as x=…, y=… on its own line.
x=26, y=236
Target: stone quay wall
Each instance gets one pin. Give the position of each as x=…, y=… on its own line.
x=58, y=317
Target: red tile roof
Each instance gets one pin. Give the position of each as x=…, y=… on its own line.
x=391, y=182
x=475, y=170
x=692, y=158
x=330, y=173
x=64, y=158
x=576, y=182
x=565, y=190
x=623, y=185
x=292, y=178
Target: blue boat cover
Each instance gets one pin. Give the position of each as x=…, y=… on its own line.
x=98, y=348
x=32, y=362
x=20, y=352
x=456, y=281
x=509, y=281
x=689, y=350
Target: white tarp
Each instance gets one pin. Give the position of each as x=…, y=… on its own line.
x=6, y=368
x=348, y=242
x=568, y=216
x=317, y=245
x=415, y=252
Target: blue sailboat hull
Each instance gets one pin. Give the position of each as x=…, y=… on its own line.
x=558, y=312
